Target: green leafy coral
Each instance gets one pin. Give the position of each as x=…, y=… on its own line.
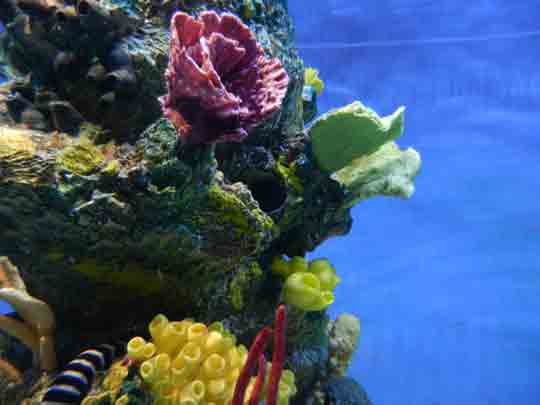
x=343, y=135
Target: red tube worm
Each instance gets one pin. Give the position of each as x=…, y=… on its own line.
x=259, y=382
x=278, y=357
x=256, y=349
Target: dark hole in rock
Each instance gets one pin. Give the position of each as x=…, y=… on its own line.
x=268, y=190
x=110, y=82
x=61, y=16
x=83, y=7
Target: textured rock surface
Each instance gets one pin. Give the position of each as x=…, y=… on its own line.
x=345, y=391
x=344, y=333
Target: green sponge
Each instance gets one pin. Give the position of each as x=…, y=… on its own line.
x=343, y=135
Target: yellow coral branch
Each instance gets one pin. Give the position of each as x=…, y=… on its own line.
x=37, y=331
x=9, y=371
x=20, y=331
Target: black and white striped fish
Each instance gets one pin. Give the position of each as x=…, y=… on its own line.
x=75, y=381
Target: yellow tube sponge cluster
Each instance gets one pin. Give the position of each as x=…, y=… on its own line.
x=308, y=285
x=188, y=363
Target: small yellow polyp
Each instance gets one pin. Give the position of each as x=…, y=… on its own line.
x=233, y=358
x=135, y=348
x=147, y=371
x=173, y=336
x=157, y=325
x=215, y=343
x=302, y=290
x=325, y=272
x=192, y=354
x=179, y=371
x=166, y=390
x=214, y=366
x=232, y=375
x=216, y=389
x=195, y=390
x=149, y=350
x=123, y=400
x=197, y=332
x=162, y=364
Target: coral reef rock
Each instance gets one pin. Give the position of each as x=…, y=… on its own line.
x=110, y=217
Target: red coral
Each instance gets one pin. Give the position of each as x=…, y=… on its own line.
x=220, y=84
x=256, y=349
x=256, y=354
x=259, y=381
x=278, y=357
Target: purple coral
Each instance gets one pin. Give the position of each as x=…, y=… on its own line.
x=220, y=83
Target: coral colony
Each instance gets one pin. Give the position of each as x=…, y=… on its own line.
x=103, y=223
x=220, y=83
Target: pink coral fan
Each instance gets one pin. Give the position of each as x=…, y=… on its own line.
x=220, y=83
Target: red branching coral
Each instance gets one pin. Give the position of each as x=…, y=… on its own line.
x=256, y=354
x=259, y=382
x=220, y=83
x=256, y=349
x=278, y=357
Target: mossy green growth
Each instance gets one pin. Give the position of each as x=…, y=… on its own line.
x=288, y=174
x=83, y=157
x=241, y=283
x=311, y=78
x=343, y=135
x=132, y=277
x=231, y=209
x=248, y=9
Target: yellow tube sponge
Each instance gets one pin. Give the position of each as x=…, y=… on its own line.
x=173, y=336
x=197, y=332
x=298, y=264
x=135, y=348
x=280, y=267
x=123, y=400
x=190, y=363
x=325, y=272
x=303, y=290
x=149, y=350
x=147, y=370
x=213, y=367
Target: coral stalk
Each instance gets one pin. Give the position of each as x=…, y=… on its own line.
x=259, y=382
x=257, y=348
x=278, y=357
x=11, y=373
x=39, y=322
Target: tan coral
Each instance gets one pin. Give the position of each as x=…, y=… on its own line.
x=37, y=330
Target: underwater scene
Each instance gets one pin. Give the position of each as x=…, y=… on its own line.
x=278, y=202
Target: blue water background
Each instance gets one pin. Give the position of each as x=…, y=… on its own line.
x=447, y=284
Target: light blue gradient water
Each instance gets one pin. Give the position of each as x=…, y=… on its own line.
x=447, y=284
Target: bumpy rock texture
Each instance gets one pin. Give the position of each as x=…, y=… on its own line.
x=111, y=219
